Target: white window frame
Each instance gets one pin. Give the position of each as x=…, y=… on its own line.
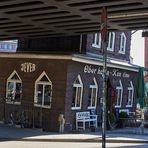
x=97, y=38
x=119, y=95
x=44, y=84
x=122, y=43
x=78, y=86
x=92, y=87
x=12, y=100
x=111, y=41
x=130, y=95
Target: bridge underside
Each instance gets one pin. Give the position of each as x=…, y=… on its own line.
x=48, y=18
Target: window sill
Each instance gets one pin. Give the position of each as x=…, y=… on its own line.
x=120, y=52
x=129, y=106
x=110, y=50
x=117, y=106
x=11, y=102
x=90, y=107
x=76, y=108
x=42, y=106
x=95, y=46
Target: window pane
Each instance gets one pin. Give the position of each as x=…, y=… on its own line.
x=11, y=90
x=78, y=96
x=111, y=41
x=119, y=101
x=47, y=94
x=39, y=93
x=74, y=97
x=89, y=99
x=18, y=92
x=97, y=39
x=93, y=96
x=129, y=97
x=94, y=39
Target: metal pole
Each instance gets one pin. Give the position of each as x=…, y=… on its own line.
x=4, y=110
x=104, y=95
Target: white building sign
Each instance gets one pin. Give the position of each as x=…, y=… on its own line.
x=114, y=72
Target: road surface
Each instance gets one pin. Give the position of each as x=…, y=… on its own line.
x=29, y=144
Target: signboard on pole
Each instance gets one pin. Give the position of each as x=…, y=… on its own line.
x=103, y=24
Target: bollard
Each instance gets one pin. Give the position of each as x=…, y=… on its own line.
x=61, y=123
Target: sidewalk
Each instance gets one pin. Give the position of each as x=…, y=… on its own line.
x=8, y=133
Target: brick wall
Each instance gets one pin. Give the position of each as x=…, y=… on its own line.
x=114, y=54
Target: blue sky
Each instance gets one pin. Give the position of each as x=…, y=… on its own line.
x=137, y=48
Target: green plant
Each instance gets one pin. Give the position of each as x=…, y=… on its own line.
x=111, y=118
x=123, y=115
x=121, y=119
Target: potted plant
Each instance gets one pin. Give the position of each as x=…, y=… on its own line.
x=121, y=119
x=112, y=121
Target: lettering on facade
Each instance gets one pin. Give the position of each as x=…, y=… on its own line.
x=28, y=67
x=113, y=72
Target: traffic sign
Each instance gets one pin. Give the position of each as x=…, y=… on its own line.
x=103, y=24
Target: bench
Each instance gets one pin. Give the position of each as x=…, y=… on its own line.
x=84, y=117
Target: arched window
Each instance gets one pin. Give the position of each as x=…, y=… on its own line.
x=77, y=93
x=43, y=91
x=122, y=43
x=119, y=94
x=93, y=91
x=14, y=88
x=96, y=40
x=130, y=95
x=111, y=41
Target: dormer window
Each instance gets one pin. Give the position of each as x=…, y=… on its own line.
x=111, y=41
x=96, y=40
x=122, y=43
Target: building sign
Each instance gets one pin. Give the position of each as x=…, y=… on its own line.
x=113, y=72
x=28, y=67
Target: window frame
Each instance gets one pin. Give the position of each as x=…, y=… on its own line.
x=119, y=95
x=122, y=43
x=39, y=82
x=77, y=86
x=97, y=36
x=91, y=87
x=130, y=95
x=111, y=45
x=10, y=80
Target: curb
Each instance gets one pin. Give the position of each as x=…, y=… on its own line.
x=108, y=140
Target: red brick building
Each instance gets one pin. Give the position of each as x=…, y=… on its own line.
x=67, y=79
